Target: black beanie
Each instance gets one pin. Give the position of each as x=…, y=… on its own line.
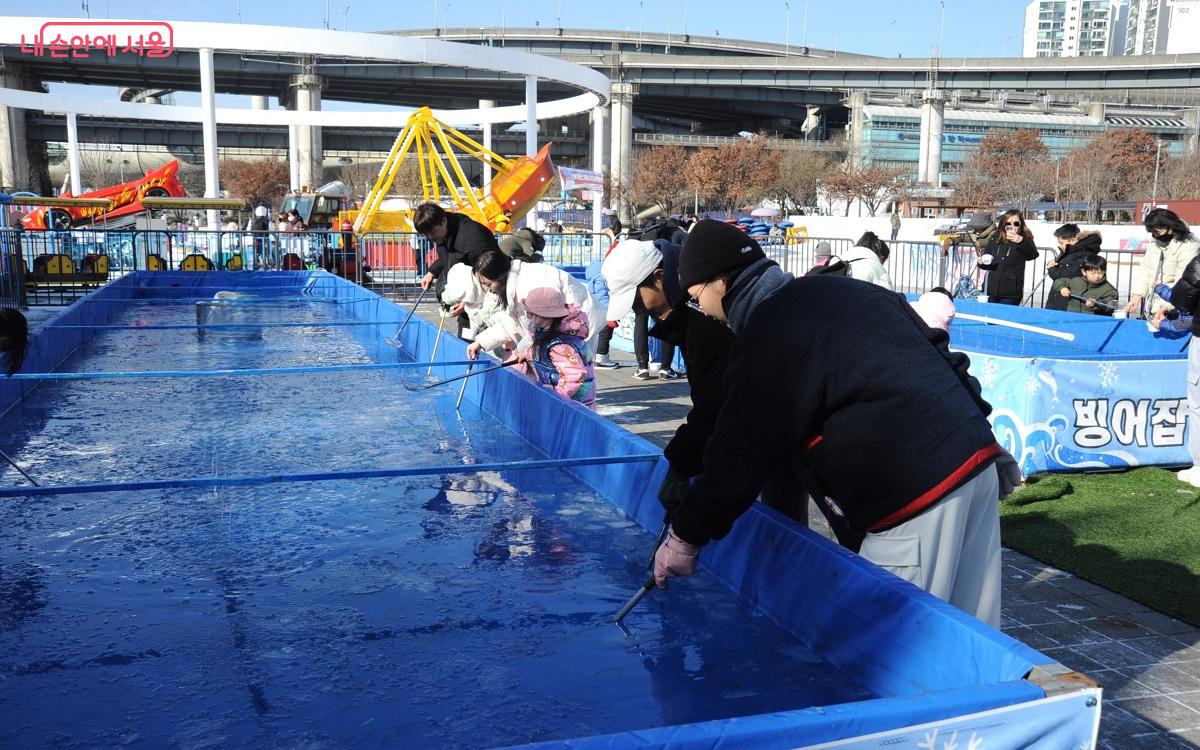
x=713, y=248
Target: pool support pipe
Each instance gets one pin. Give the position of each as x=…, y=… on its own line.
x=326, y=476
x=307, y=369
x=1019, y=326
x=21, y=471
x=468, y=374
x=395, y=340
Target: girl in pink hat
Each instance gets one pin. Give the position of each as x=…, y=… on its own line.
x=559, y=356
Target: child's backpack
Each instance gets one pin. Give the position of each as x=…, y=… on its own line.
x=830, y=266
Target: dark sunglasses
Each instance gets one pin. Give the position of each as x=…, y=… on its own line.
x=1012, y=223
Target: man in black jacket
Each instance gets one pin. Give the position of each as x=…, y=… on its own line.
x=456, y=239
x=1073, y=246
x=844, y=377
x=644, y=275
x=1185, y=296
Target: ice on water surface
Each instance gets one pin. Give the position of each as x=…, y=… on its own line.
x=461, y=610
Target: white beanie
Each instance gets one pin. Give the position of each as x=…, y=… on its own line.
x=461, y=286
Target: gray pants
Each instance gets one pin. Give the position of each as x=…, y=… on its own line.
x=952, y=550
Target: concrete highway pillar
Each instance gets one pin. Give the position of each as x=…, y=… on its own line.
x=305, y=96
x=933, y=113
x=857, y=102
x=15, y=173
x=621, y=163
x=258, y=102
x=1192, y=118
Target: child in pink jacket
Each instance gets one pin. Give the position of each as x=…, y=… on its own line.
x=559, y=357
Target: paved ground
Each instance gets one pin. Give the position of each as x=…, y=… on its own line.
x=1148, y=663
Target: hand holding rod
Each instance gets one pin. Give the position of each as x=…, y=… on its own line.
x=649, y=584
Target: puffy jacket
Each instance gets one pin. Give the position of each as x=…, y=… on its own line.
x=812, y=378
x=1173, y=257
x=1070, y=265
x=1006, y=277
x=1079, y=286
x=523, y=278
x=864, y=265
x=1185, y=295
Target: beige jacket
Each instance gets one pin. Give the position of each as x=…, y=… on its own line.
x=1174, y=257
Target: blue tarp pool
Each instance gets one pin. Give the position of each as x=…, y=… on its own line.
x=253, y=532
x=1113, y=396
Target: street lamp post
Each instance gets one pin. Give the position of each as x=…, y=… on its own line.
x=1157, y=161
x=942, y=28
x=889, y=46
x=806, y=26
x=787, y=30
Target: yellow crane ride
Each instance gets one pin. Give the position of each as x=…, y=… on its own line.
x=515, y=188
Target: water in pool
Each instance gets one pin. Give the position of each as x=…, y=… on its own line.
x=467, y=610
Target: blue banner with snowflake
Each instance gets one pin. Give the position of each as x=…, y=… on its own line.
x=1069, y=721
x=1070, y=415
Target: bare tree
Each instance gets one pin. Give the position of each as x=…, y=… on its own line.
x=970, y=184
x=873, y=185
x=99, y=168
x=360, y=177
x=1180, y=178
x=1012, y=167
x=258, y=181
x=1116, y=165
x=799, y=173
x=656, y=177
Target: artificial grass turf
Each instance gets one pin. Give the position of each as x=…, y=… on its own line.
x=1135, y=532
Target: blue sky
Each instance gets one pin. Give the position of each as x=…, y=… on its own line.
x=907, y=27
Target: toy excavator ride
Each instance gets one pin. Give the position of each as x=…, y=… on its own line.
x=517, y=186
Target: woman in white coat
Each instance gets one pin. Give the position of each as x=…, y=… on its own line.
x=865, y=261
x=1172, y=248
x=512, y=280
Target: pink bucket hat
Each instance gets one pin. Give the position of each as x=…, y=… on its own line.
x=546, y=302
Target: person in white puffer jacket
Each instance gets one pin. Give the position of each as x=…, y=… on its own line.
x=511, y=281
x=866, y=259
x=463, y=289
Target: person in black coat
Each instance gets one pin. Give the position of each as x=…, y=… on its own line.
x=1074, y=246
x=456, y=239
x=646, y=278
x=1185, y=296
x=843, y=377
x=1005, y=257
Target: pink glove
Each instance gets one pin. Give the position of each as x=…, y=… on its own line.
x=674, y=557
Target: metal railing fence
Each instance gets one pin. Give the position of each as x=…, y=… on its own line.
x=48, y=268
